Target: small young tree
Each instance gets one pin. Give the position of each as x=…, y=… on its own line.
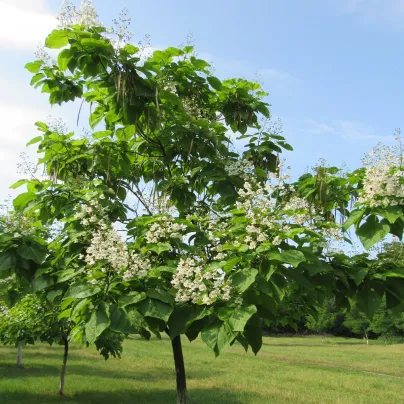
x=24, y=323
x=358, y=322
x=324, y=321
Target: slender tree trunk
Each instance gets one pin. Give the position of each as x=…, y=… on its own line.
x=179, y=370
x=63, y=372
x=366, y=337
x=19, y=356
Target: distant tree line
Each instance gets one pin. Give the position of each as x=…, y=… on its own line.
x=386, y=324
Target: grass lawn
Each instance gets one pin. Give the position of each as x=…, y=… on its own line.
x=287, y=370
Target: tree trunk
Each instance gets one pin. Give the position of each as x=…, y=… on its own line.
x=19, y=356
x=179, y=370
x=366, y=337
x=62, y=374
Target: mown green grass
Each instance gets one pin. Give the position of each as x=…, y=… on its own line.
x=287, y=370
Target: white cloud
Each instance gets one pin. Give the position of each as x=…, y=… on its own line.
x=17, y=128
x=350, y=131
x=24, y=24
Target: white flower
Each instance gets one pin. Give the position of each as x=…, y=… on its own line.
x=86, y=15
x=108, y=246
x=195, y=284
x=165, y=228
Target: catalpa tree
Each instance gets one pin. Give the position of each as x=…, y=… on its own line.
x=165, y=227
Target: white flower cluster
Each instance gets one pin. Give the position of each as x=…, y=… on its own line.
x=266, y=216
x=42, y=54
x=7, y=280
x=195, y=284
x=301, y=210
x=164, y=229
x=159, y=205
x=384, y=172
x=93, y=213
x=18, y=225
x=4, y=311
x=108, y=246
x=259, y=206
x=86, y=15
x=213, y=230
x=240, y=167
x=138, y=267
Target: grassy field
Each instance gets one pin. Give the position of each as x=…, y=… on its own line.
x=287, y=370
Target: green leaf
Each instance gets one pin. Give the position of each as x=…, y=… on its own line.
x=159, y=248
x=293, y=257
x=34, y=252
x=210, y=335
x=354, y=218
x=53, y=294
x=36, y=139
x=131, y=298
x=57, y=39
x=215, y=83
x=156, y=309
x=81, y=290
x=120, y=321
x=41, y=283
x=6, y=260
x=372, y=231
x=101, y=134
x=98, y=322
x=369, y=301
x=64, y=57
x=183, y=316
x=231, y=263
x=225, y=337
x=161, y=295
x=22, y=200
x=136, y=319
x=67, y=274
x=392, y=213
x=243, y=279
x=34, y=67
x=315, y=268
x=397, y=273
x=241, y=315
x=253, y=333
x=397, y=228
x=18, y=184
x=130, y=49
x=64, y=314
x=360, y=276
x=242, y=341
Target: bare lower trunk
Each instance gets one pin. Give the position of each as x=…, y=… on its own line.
x=19, y=356
x=179, y=370
x=63, y=372
x=366, y=337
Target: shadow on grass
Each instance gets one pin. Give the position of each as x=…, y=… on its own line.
x=8, y=370
x=324, y=344
x=195, y=396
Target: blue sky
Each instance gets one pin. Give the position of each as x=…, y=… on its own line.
x=333, y=68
